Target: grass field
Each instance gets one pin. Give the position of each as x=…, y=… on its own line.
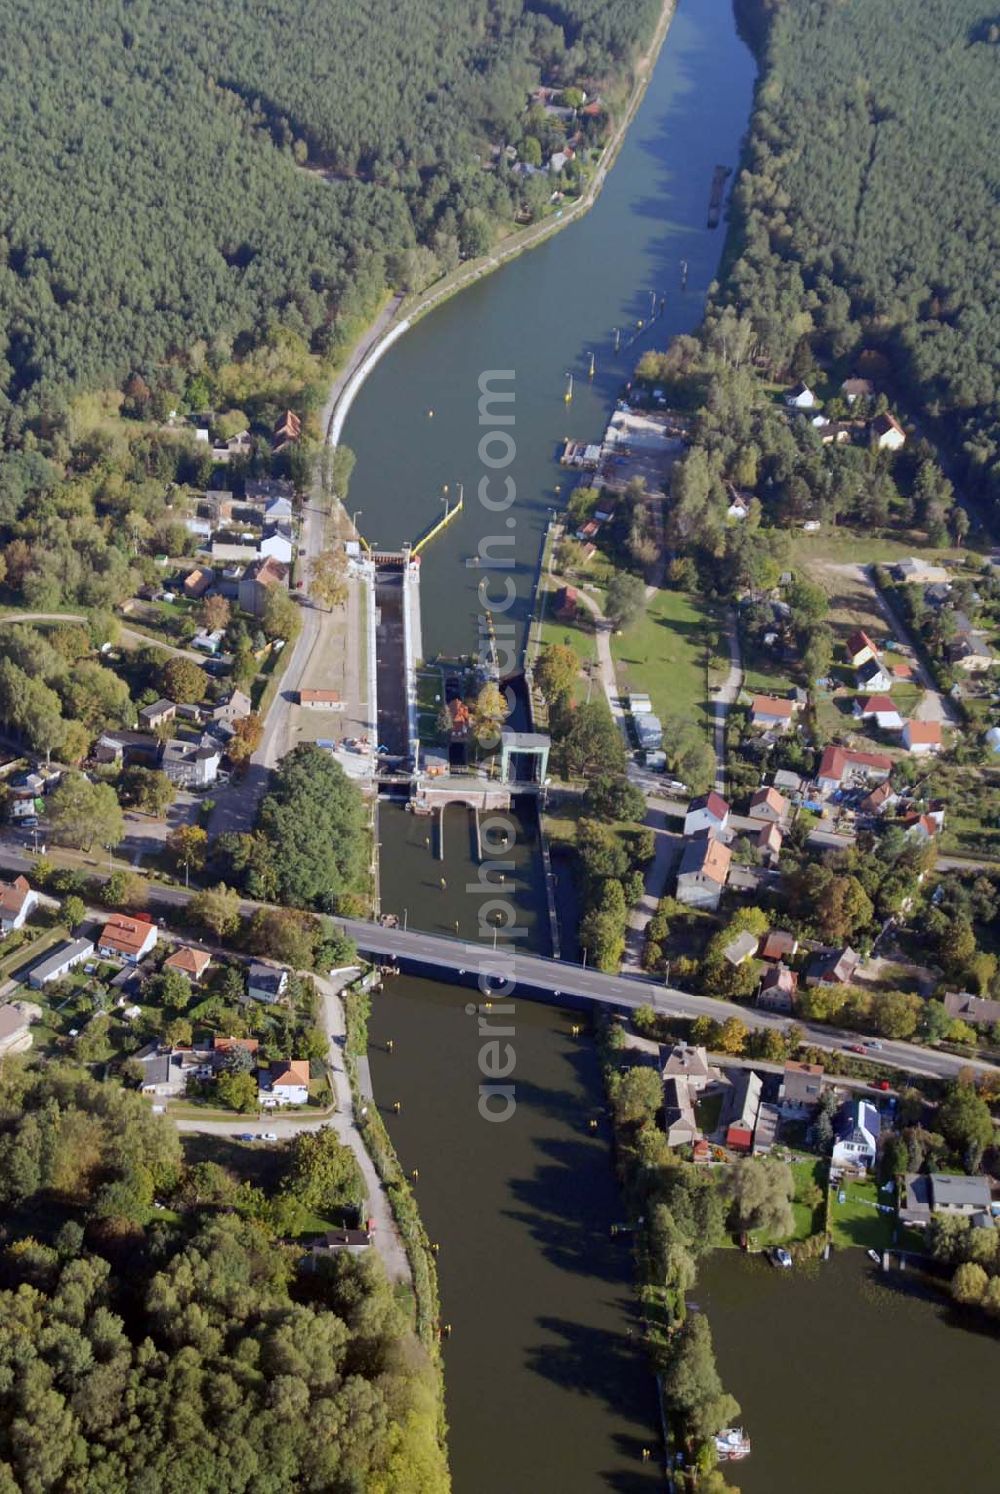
x=665, y=655
x=857, y=1221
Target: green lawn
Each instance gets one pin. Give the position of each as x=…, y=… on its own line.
x=665, y=653
x=856, y=1221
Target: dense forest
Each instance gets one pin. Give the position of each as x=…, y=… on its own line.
x=155, y=166
x=187, y=1349
x=868, y=204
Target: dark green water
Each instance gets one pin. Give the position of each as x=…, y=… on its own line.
x=540, y=316
x=546, y=1390
x=852, y=1381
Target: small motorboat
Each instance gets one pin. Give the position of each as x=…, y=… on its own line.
x=779, y=1256
x=873, y=1255
x=732, y=1444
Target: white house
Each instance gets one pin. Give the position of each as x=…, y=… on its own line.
x=209, y=643
x=60, y=962
x=922, y=737
x=17, y=900
x=889, y=434
x=707, y=812
x=277, y=509
x=266, y=983
x=880, y=709
x=800, y=398
x=277, y=544
x=856, y=1130
x=841, y=766
x=285, y=1083
x=703, y=871
x=874, y=677
x=772, y=713
x=190, y=764
x=128, y=939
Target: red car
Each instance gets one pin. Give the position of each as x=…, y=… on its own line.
x=883, y=1084
x=856, y=1048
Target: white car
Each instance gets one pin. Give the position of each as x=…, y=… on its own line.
x=268, y=1135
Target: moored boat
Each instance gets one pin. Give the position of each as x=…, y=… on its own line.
x=732, y=1444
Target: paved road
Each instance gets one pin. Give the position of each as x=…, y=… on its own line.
x=566, y=981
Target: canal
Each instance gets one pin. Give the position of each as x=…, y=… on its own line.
x=541, y=316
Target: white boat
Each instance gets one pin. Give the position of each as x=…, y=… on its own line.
x=732, y=1444
x=779, y=1256
x=873, y=1255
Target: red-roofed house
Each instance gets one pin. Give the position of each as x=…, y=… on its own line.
x=707, y=812
x=880, y=800
x=768, y=804
x=859, y=648
x=922, y=737
x=769, y=842
x=129, y=939
x=921, y=827
x=255, y=586
x=777, y=944
x=881, y=709
x=843, y=765
x=703, y=871
x=17, y=899
x=771, y=712
x=777, y=989
x=190, y=962
x=567, y=603
x=285, y=1083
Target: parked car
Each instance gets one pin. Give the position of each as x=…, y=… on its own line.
x=268, y=1135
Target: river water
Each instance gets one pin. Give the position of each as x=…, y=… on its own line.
x=541, y=316
x=843, y=1384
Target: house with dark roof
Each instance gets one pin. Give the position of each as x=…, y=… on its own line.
x=801, y=1087
x=833, y=967
x=266, y=983
x=872, y=676
x=888, y=433
x=856, y=1129
x=860, y=648
x=740, y=1110
x=59, y=963
x=679, y=1120
x=978, y=1011
x=777, y=989
x=689, y=1061
x=706, y=812
x=157, y=714
x=927, y=1194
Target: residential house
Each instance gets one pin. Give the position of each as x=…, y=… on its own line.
x=777, y=944
x=196, y=583
x=950, y=1194
x=740, y=1110
x=126, y=747
x=353, y=1241
x=60, y=962
x=770, y=839
x=841, y=767
x=234, y=708
x=856, y=1129
x=278, y=509
x=277, y=544
x=321, y=700
x=157, y=714
x=287, y=430
x=256, y=583
x=768, y=804
x=860, y=648
x=801, y=1087
x=916, y=572
x=800, y=398
x=703, y=871
x=788, y=783
x=266, y=983
x=15, y=1030
x=874, y=676
x=778, y=988
x=969, y=650
x=772, y=713
x=240, y=445
x=160, y=1076
x=855, y=389
x=678, y=1112
x=741, y=948
x=189, y=961
x=881, y=799
x=881, y=709
x=921, y=827
x=128, y=939
x=18, y=900
x=833, y=967
x=689, y=1061
x=765, y=1133
x=978, y=1011
x=191, y=764
x=285, y=1083
x=888, y=433
x=922, y=737
x=707, y=812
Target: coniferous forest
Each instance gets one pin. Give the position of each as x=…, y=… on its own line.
x=173, y=173
x=868, y=207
